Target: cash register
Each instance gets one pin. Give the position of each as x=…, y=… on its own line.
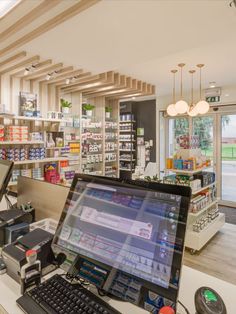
x=127, y=240
x=13, y=221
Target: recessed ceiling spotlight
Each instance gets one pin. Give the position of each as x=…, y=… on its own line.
x=26, y=72
x=48, y=76
x=133, y=97
x=67, y=81
x=212, y=84
x=226, y=95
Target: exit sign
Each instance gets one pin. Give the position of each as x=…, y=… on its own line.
x=213, y=99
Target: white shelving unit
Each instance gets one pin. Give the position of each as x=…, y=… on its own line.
x=34, y=124
x=195, y=241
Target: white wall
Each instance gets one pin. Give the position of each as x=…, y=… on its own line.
x=228, y=96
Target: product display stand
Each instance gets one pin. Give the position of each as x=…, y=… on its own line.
x=195, y=240
x=127, y=145
x=204, y=218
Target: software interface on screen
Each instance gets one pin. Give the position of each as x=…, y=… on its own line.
x=3, y=173
x=133, y=230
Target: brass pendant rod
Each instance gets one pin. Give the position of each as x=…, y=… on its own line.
x=174, y=72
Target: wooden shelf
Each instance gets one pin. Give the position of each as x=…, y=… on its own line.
x=190, y=172
x=203, y=209
x=128, y=160
x=204, y=188
x=128, y=121
x=123, y=169
x=22, y=143
x=10, y=117
x=24, y=162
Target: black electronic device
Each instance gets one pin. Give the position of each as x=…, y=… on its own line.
x=6, y=168
x=208, y=301
x=10, y=218
x=58, y=296
x=2, y=267
x=128, y=237
x=14, y=254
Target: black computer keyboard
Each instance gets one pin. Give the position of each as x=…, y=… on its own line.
x=58, y=296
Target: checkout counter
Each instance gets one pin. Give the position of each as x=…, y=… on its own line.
x=191, y=279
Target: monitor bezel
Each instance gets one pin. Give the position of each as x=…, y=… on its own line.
x=7, y=178
x=169, y=293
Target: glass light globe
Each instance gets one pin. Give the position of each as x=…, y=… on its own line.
x=171, y=110
x=192, y=111
x=181, y=106
x=202, y=107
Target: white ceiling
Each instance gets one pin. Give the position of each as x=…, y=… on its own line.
x=147, y=39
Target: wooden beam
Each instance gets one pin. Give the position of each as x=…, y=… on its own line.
x=45, y=71
x=13, y=58
x=20, y=65
x=61, y=78
x=60, y=71
x=39, y=65
x=61, y=83
x=42, y=8
x=2, y=18
x=90, y=90
x=58, y=19
x=83, y=81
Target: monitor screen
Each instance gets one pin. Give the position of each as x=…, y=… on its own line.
x=5, y=175
x=128, y=239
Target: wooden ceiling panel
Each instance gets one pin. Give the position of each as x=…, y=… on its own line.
x=73, y=10
x=21, y=65
x=37, y=66
x=45, y=71
x=13, y=58
x=42, y=8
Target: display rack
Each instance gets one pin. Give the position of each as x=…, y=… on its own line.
x=111, y=147
x=195, y=240
x=127, y=144
x=12, y=149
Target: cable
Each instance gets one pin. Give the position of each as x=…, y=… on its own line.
x=184, y=307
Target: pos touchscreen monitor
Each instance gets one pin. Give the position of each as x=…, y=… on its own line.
x=6, y=167
x=128, y=237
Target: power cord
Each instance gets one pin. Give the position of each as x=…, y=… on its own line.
x=184, y=307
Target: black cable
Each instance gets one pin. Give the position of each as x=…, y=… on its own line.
x=184, y=307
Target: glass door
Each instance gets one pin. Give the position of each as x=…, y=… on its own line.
x=228, y=158
x=203, y=127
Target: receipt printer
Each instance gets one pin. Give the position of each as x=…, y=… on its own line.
x=13, y=217
x=14, y=254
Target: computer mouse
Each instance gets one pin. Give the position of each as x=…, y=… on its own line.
x=208, y=301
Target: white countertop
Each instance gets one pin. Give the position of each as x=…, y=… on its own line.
x=191, y=280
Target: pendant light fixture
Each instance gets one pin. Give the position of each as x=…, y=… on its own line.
x=202, y=106
x=171, y=108
x=192, y=110
x=181, y=106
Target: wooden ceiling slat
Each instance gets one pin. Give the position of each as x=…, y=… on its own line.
x=62, y=82
x=42, y=8
x=64, y=76
x=22, y=64
x=45, y=71
x=58, y=19
x=39, y=65
x=13, y=58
